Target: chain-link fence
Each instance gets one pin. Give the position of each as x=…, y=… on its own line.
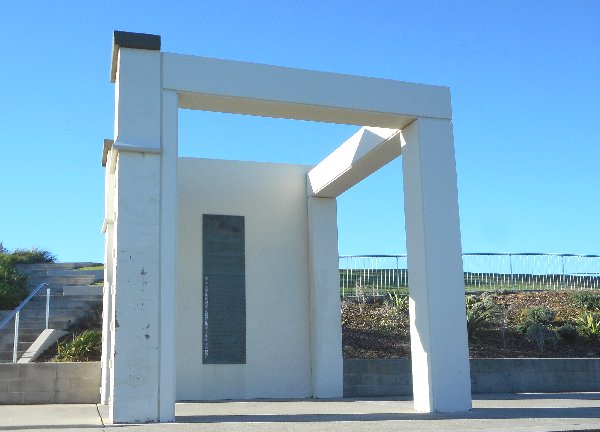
x=377, y=275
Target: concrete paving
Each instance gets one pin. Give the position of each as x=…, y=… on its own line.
x=498, y=412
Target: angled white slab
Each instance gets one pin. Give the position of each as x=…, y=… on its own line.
x=357, y=158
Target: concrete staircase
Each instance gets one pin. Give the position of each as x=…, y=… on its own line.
x=73, y=293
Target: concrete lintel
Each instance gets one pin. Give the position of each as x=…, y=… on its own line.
x=123, y=39
x=273, y=91
x=360, y=156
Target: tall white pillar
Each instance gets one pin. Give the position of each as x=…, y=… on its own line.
x=143, y=298
x=326, y=322
x=108, y=229
x=168, y=255
x=439, y=347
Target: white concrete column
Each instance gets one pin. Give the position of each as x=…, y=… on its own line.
x=135, y=326
x=326, y=325
x=168, y=255
x=440, y=354
x=108, y=228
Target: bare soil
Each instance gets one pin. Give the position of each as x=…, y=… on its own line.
x=381, y=330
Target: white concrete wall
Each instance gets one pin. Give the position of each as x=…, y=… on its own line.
x=272, y=198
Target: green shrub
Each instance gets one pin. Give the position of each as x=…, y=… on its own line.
x=541, y=335
x=86, y=346
x=567, y=332
x=12, y=284
x=26, y=256
x=586, y=299
x=535, y=315
x=12, y=288
x=479, y=314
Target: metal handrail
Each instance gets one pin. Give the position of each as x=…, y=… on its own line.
x=17, y=312
x=24, y=303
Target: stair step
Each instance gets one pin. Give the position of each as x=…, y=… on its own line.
x=72, y=296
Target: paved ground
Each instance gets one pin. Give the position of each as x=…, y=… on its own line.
x=525, y=412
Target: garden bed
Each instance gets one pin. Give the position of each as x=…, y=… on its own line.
x=380, y=329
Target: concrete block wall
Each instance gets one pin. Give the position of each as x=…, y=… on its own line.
x=47, y=383
x=380, y=377
x=392, y=377
x=535, y=375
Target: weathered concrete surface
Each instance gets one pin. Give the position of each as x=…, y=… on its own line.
x=389, y=377
x=44, y=340
x=49, y=383
x=541, y=412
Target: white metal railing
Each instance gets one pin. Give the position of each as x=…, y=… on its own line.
x=16, y=314
x=375, y=275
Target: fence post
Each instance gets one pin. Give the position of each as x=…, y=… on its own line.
x=564, y=281
x=397, y=274
x=47, y=306
x=512, y=278
x=16, y=338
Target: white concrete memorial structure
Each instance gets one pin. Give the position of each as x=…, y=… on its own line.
x=222, y=276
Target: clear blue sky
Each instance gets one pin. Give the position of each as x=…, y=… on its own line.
x=524, y=76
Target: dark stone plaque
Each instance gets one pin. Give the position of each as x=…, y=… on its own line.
x=224, y=289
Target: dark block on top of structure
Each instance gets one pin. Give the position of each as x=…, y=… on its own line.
x=145, y=41
x=123, y=39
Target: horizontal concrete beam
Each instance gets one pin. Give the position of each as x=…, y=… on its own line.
x=360, y=156
x=272, y=91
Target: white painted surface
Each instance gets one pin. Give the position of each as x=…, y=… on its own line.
x=135, y=320
x=357, y=158
x=168, y=256
x=137, y=99
x=272, y=199
x=440, y=355
x=325, y=309
x=108, y=226
x=274, y=91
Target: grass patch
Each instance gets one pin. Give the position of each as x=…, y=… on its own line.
x=92, y=267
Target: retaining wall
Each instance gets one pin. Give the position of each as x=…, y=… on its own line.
x=47, y=383
x=392, y=377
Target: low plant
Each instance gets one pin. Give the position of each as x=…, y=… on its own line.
x=397, y=300
x=535, y=315
x=586, y=299
x=567, y=332
x=588, y=325
x=480, y=312
x=84, y=347
x=542, y=336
